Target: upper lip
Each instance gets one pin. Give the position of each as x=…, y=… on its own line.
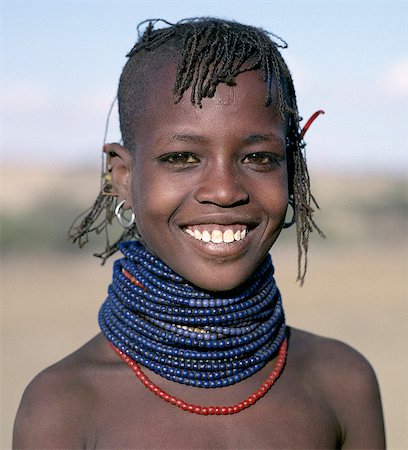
x=223, y=219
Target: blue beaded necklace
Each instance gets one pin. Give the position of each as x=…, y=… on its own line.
x=188, y=335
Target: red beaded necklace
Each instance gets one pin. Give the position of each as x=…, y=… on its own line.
x=210, y=410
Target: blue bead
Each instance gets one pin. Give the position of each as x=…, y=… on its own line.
x=142, y=322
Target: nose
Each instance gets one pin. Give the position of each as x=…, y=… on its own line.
x=221, y=185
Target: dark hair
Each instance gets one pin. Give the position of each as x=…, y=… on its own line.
x=207, y=52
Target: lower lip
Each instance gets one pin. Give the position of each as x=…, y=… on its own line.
x=224, y=249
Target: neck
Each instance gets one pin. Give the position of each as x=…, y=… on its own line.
x=188, y=335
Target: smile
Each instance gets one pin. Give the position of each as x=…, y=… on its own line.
x=217, y=234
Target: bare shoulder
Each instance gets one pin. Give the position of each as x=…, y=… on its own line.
x=330, y=357
x=56, y=405
x=348, y=382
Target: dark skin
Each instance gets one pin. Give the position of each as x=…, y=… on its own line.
x=327, y=396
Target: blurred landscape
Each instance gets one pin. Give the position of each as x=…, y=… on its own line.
x=356, y=288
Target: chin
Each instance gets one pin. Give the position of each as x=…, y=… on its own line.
x=220, y=279
x=219, y=285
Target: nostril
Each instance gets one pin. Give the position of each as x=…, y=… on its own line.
x=225, y=204
x=220, y=196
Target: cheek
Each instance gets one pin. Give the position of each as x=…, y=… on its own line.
x=272, y=192
x=154, y=198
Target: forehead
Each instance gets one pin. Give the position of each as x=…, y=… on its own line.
x=242, y=104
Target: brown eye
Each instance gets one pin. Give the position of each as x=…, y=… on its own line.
x=179, y=158
x=261, y=159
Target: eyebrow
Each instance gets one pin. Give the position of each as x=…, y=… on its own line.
x=190, y=138
x=256, y=138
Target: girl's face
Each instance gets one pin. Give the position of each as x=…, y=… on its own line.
x=209, y=185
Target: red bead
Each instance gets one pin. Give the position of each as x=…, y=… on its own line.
x=279, y=364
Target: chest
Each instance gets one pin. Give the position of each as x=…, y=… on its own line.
x=284, y=418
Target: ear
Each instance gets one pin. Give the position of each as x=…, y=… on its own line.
x=119, y=164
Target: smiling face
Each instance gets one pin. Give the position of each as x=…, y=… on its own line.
x=208, y=185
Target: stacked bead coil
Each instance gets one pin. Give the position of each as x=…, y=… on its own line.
x=185, y=334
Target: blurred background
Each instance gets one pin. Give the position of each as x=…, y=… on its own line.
x=60, y=63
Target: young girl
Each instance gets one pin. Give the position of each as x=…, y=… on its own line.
x=194, y=351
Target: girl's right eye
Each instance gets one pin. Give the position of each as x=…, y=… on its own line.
x=179, y=158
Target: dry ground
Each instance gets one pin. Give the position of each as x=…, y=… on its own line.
x=356, y=291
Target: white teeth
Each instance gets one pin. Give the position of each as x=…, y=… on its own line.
x=206, y=236
x=228, y=236
x=217, y=236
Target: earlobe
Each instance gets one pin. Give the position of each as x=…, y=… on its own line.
x=119, y=166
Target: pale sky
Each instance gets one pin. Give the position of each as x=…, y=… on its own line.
x=61, y=60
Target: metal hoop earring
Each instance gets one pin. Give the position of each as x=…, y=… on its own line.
x=293, y=219
x=124, y=222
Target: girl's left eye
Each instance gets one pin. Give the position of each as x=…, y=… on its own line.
x=262, y=159
x=179, y=158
